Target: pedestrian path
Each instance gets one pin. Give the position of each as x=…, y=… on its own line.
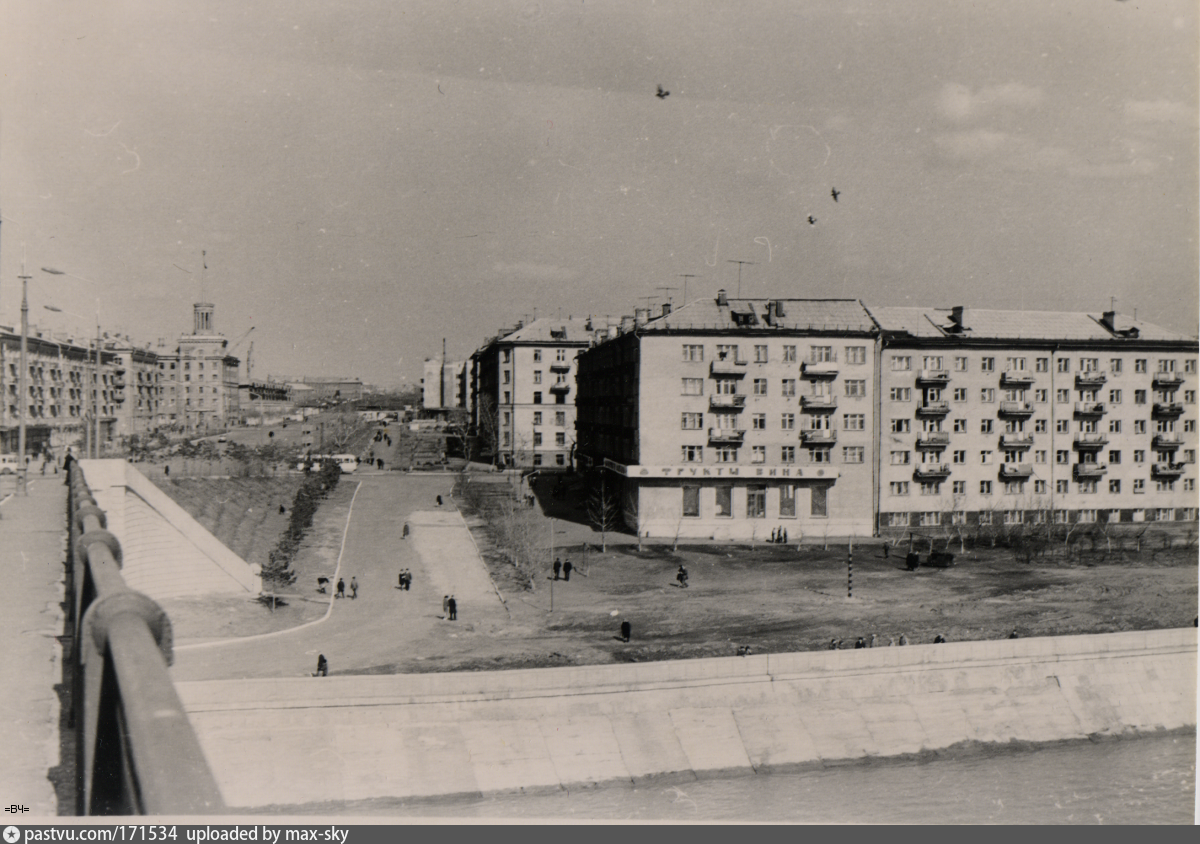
x=32, y=551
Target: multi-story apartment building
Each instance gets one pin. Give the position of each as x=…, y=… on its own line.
x=523, y=392
x=444, y=385
x=731, y=418
x=1015, y=417
x=135, y=388
x=199, y=379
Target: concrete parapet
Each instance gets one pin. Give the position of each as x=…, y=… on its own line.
x=422, y=735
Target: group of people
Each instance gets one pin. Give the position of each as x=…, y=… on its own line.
x=450, y=607
x=340, y=591
x=779, y=536
x=561, y=568
x=874, y=641
x=405, y=580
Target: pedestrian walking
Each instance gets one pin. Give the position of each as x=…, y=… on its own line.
x=282, y=509
x=439, y=501
x=557, y=567
x=341, y=589
x=322, y=667
x=401, y=585
x=452, y=606
x=885, y=550
x=446, y=606
x=567, y=570
x=404, y=533
x=167, y=471
x=785, y=536
x=903, y=639
x=353, y=588
x=626, y=631
x=873, y=640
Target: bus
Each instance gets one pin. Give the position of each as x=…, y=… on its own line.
x=347, y=462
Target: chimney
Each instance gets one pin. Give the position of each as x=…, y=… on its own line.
x=722, y=299
x=1109, y=320
x=779, y=311
x=626, y=324
x=770, y=317
x=958, y=316
x=666, y=308
x=641, y=316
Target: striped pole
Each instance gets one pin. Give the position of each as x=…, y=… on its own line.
x=850, y=570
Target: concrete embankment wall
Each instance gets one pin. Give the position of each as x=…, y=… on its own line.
x=294, y=741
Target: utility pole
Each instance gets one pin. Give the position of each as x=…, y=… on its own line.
x=740, y=264
x=685, y=277
x=22, y=473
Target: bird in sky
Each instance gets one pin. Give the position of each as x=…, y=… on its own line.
x=835, y=193
x=812, y=221
x=662, y=95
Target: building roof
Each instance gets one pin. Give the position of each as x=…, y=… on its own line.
x=1050, y=326
x=844, y=315
x=549, y=330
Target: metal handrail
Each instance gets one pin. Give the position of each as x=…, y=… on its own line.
x=137, y=753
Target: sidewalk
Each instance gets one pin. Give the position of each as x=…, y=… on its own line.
x=32, y=550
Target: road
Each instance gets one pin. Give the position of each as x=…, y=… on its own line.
x=383, y=626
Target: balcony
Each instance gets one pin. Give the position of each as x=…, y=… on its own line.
x=728, y=367
x=1016, y=408
x=1010, y=471
x=819, y=369
x=560, y=366
x=933, y=439
x=1016, y=441
x=726, y=401
x=818, y=437
x=819, y=404
x=1016, y=378
x=1089, y=408
x=726, y=435
x=933, y=408
x=560, y=387
x=1172, y=408
x=1164, y=442
x=934, y=377
x=1167, y=379
x=118, y=396
x=1166, y=470
x=1084, y=442
x=931, y=471
x=117, y=382
x=1090, y=380
x=1089, y=470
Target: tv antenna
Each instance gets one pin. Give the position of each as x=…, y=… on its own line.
x=668, y=298
x=739, y=263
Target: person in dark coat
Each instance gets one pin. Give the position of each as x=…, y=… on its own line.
x=282, y=509
x=1013, y=635
x=567, y=570
x=452, y=606
x=322, y=582
x=860, y=642
x=322, y=666
x=939, y=639
x=341, y=589
x=404, y=533
x=903, y=639
x=557, y=567
x=439, y=501
x=626, y=630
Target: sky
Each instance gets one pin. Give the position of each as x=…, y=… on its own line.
x=364, y=178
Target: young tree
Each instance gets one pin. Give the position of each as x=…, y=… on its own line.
x=458, y=430
x=603, y=510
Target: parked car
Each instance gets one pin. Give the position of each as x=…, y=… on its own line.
x=9, y=464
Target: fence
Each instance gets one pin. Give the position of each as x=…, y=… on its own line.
x=136, y=751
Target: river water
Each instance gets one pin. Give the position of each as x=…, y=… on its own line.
x=1134, y=781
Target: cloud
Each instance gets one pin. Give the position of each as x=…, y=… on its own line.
x=540, y=272
x=1008, y=151
x=957, y=103
x=1158, y=111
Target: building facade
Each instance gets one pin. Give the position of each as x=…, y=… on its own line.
x=523, y=393
x=736, y=418
x=998, y=419
x=199, y=379
x=444, y=385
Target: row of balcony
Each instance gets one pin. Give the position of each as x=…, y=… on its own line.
x=1020, y=471
x=1025, y=378
x=810, y=369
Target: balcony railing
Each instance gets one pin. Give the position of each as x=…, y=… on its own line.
x=933, y=408
x=726, y=435
x=1016, y=408
x=931, y=471
x=1089, y=470
x=933, y=439
x=818, y=437
x=560, y=366
x=560, y=387
x=1089, y=408
x=1015, y=470
x=1090, y=441
x=726, y=401
x=1167, y=379
x=729, y=366
x=933, y=377
x=1167, y=441
x=1016, y=441
x=819, y=368
x=818, y=403
x=1167, y=470
x=136, y=752
x=1091, y=379
x=1016, y=378
x=1172, y=408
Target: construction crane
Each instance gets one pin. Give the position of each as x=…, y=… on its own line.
x=249, y=355
x=239, y=342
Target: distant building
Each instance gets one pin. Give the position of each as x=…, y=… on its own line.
x=523, y=392
x=200, y=380
x=331, y=390
x=444, y=385
x=135, y=388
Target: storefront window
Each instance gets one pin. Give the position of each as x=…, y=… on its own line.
x=787, y=501
x=724, y=500
x=691, y=501
x=756, y=501
x=819, y=507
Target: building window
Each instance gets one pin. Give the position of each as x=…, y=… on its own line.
x=1139, y=426
x=560, y=418
x=537, y=417
x=985, y=457
x=760, y=354
x=760, y=386
x=693, y=386
x=985, y=487
x=724, y=499
x=854, y=421
x=788, y=387
x=691, y=501
x=985, y=426
x=1189, y=426
x=959, y=456
x=1062, y=487
x=1114, y=486
x=787, y=421
x=900, y=426
x=758, y=454
x=822, y=354
x=787, y=501
x=901, y=458
x=900, y=394
x=787, y=454
x=1189, y=396
x=856, y=387
x=1039, y=487
x=1042, y=365
x=537, y=376
x=819, y=455
x=693, y=353
x=960, y=364
x=898, y=487
x=560, y=439
x=1064, y=364
x=987, y=365
x=987, y=394
x=537, y=355
x=819, y=501
x=898, y=519
x=759, y=421
x=901, y=363
x=688, y=421
x=930, y=519
x=727, y=455
x=856, y=354
x=537, y=398
x=693, y=454
x=1087, y=487
x=789, y=354
x=537, y=438
x=931, y=488
x=1014, y=487
x=853, y=454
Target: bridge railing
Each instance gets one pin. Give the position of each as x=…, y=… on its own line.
x=136, y=751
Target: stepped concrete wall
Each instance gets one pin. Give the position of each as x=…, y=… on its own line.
x=295, y=741
x=166, y=553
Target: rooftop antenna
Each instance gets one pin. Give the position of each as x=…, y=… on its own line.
x=685, y=277
x=668, y=298
x=739, y=263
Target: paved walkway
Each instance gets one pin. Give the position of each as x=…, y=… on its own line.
x=32, y=550
x=383, y=625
